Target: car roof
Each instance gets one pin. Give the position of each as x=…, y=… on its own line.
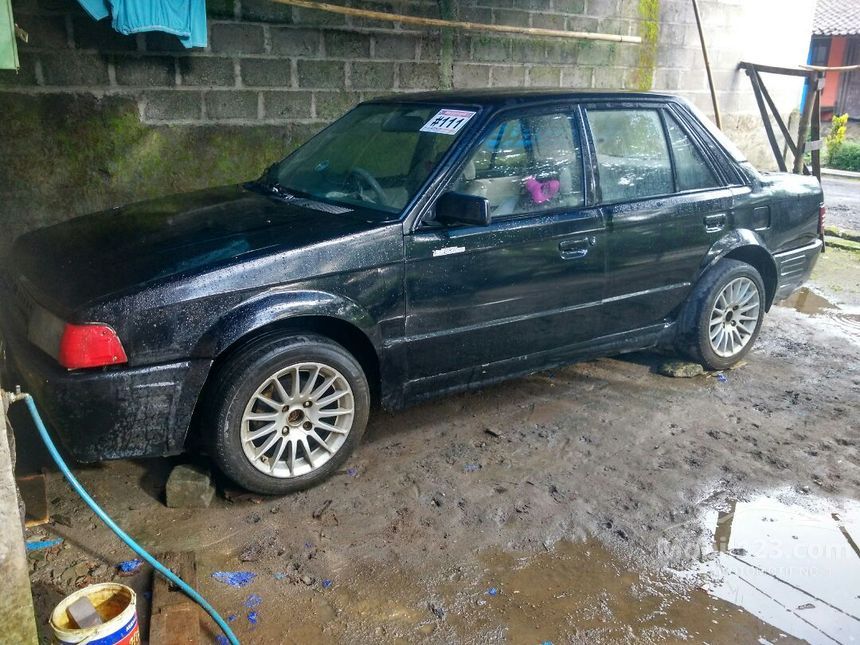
x=498, y=97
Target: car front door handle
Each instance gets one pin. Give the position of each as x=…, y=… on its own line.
x=715, y=222
x=575, y=248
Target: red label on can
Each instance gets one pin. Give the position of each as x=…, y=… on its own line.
x=128, y=634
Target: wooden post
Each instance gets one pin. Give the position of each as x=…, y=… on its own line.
x=816, y=127
x=717, y=118
x=805, y=117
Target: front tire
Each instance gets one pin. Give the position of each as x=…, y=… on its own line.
x=286, y=412
x=723, y=316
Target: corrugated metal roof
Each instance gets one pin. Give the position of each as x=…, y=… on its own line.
x=836, y=18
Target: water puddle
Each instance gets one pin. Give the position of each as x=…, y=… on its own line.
x=796, y=567
x=580, y=592
x=776, y=569
x=812, y=304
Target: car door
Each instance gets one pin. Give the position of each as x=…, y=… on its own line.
x=513, y=292
x=664, y=203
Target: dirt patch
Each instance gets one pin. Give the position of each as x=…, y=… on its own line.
x=581, y=488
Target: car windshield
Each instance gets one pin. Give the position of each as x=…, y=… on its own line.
x=376, y=157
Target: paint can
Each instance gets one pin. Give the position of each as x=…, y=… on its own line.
x=116, y=604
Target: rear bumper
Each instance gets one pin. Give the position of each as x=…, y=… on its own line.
x=794, y=267
x=107, y=413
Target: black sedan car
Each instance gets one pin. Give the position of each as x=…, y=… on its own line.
x=420, y=245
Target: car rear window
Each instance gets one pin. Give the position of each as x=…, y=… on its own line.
x=632, y=156
x=692, y=172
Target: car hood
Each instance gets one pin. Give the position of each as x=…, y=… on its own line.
x=122, y=250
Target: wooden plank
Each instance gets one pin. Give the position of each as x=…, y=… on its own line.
x=457, y=24
x=175, y=618
x=770, y=69
x=177, y=625
x=34, y=492
x=774, y=146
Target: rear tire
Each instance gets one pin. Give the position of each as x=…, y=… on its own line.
x=722, y=318
x=285, y=412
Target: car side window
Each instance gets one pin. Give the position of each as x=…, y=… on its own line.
x=632, y=156
x=691, y=170
x=526, y=165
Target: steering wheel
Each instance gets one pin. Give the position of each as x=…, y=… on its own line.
x=368, y=181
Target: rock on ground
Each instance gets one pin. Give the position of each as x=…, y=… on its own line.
x=680, y=369
x=189, y=486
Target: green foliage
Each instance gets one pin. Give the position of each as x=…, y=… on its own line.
x=846, y=156
x=837, y=136
x=649, y=30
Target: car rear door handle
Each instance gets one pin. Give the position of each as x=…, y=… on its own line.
x=715, y=222
x=575, y=248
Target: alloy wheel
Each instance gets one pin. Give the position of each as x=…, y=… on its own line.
x=734, y=317
x=297, y=420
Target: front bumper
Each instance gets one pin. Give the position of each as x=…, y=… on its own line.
x=107, y=413
x=794, y=267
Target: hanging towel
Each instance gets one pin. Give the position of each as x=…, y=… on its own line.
x=8, y=47
x=185, y=19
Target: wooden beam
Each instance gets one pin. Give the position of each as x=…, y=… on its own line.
x=457, y=24
x=175, y=618
x=770, y=69
x=756, y=83
x=717, y=118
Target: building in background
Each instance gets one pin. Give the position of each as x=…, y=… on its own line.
x=836, y=43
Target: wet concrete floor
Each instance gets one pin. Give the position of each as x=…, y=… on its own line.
x=596, y=503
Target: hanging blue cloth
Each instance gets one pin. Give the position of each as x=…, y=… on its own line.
x=185, y=19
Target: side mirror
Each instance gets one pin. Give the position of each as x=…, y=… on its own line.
x=461, y=208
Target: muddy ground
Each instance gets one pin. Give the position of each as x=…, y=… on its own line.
x=569, y=506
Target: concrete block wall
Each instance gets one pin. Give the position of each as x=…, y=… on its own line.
x=95, y=119
x=772, y=32
x=269, y=64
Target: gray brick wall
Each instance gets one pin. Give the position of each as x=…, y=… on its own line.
x=774, y=32
x=267, y=63
x=122, y=118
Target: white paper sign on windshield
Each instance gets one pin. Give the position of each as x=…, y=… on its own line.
x=447, y=121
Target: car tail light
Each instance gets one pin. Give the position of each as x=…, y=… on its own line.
x=822, y=210
x=90, y=345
